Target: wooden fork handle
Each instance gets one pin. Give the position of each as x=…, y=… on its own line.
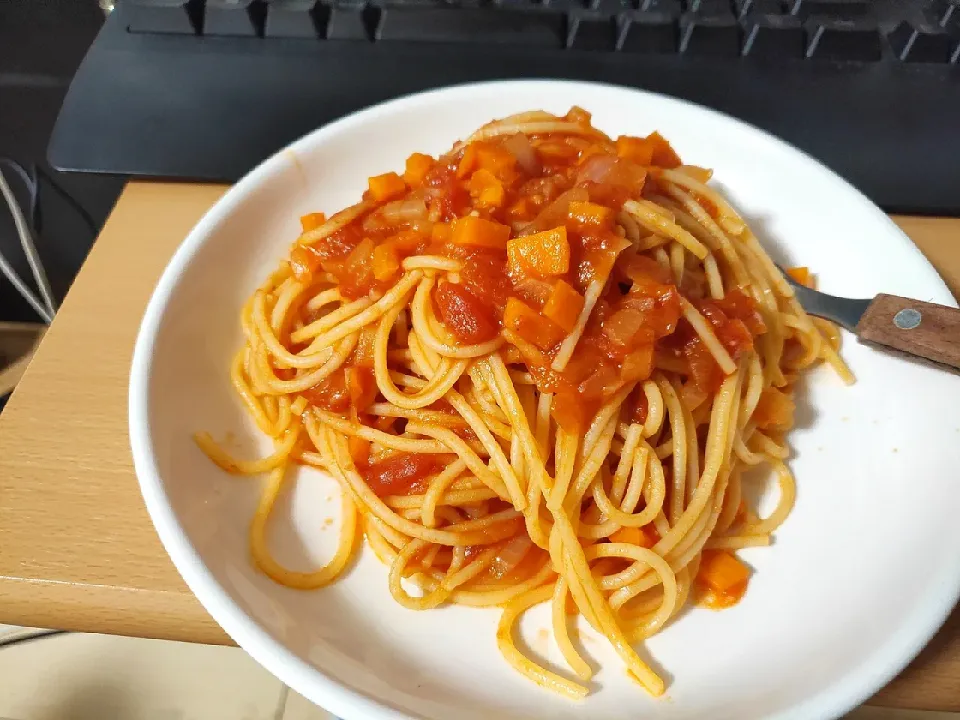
x=914, y=327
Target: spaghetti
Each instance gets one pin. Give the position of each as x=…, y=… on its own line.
x=539, y=367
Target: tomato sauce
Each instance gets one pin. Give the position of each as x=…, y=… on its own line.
x=534, y=221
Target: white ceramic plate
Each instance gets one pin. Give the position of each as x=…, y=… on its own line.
x=859, y=578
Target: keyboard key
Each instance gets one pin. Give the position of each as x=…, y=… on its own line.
x=946, y=12
x=352, y=21
x=915, y=45
x=177, y=17
x=610, y=7
x=719, y=36
x=843, y=40
x=587, y=30
x=712, y=8
x=296, y=19
x=834, y=9
x=564, y=5
x=759, y=7
x=774, y=36
x=488, y=25
x=238, y=18
x=648, y=32
x=671, y=7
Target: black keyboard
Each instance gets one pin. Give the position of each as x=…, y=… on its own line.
x=206, y=90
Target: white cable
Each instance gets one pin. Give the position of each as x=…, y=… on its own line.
x=47, y=309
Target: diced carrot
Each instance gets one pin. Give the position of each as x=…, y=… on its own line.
x=362, y=387
x=418, y=165
x=386, y=186
x=386, y=261
x=486, y=188
x=542, y=254
x=531, y=325
x=477, y=232
x=722, y=571
x=441, y=233
x=633, y=536
x=570, y=411
x=802, y=275
x=663, y=155
x=468, y=161
x=497, y=160
x=407, y=241
x=522, y=210
x=774, y=409
x=311, y=221
x=590, y=215
x=362, y=355
x=635, y=149
x=564, y=305
x=359, y=449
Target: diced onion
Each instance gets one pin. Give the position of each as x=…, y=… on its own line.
x=510, y=555
x=526, y=156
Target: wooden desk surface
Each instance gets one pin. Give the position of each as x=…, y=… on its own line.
x=77, y=549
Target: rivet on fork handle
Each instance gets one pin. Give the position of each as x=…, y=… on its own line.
x=907, y=319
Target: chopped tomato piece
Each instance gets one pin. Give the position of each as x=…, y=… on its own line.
x=703, y=368
x=356, y=277
x=470, y=319
x=641, y=407
x=638, y=365
x=743, y=307
x=646, y=274
x=540, y=255
x=399, y=474
x=564, y=305
x=304, y=261
x=626, y=327
x=418, y=165
x=331, y=393
x=362, y=387
x=531, y=325
x=600, y=384
x=386, y=186
x=477, y=232
x=311, y=221
x=733, y=334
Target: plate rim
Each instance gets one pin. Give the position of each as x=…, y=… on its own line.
x=841, y=695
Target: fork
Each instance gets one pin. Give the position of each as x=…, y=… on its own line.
x=914, y=327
